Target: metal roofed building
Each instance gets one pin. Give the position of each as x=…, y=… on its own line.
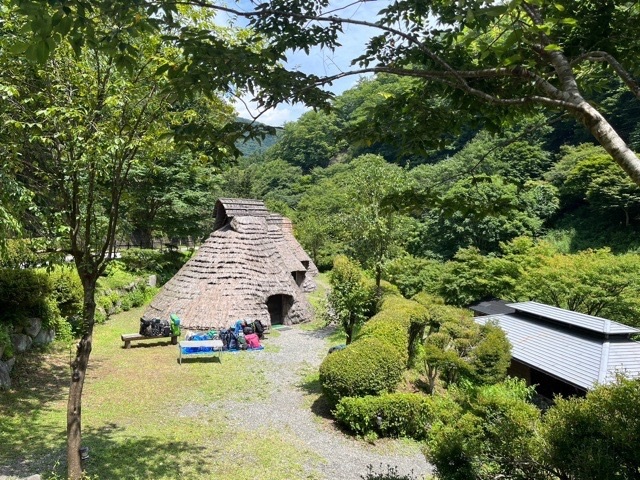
x=566, y=352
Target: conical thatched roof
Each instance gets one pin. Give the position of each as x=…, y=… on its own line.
x=247, y=269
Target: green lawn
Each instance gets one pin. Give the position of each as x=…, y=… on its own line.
x=144, y=415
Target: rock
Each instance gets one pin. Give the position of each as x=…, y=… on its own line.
x=21, y=342
x=10, y=363
x=45, y=336
x=34, y=477
x=33, y=327
x=5, y=379
x=153, y=280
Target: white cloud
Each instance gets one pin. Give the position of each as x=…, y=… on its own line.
x=275, y=117
x=324, y=62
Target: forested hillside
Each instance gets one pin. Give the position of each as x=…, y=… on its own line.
x=493, y=209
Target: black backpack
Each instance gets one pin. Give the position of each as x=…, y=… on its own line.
x=233, y=341
x=145, y=327
x=160, y=328
x=259, y=328
x=229, y=340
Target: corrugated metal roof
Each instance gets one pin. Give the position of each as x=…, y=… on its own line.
x=578, y=359
x=575, y=319
x=491, y=307
x=624, y=357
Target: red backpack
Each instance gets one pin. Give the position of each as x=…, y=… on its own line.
x=252, y=340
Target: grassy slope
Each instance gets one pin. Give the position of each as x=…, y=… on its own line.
x=144, y=416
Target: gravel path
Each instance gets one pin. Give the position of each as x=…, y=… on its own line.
x=300, y=352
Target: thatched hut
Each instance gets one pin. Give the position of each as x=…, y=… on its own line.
x=251, y=267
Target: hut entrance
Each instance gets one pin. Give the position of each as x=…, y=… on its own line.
x=279, y=306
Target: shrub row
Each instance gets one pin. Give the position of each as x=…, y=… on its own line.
x=56, y=297
x=392, y=322
x=388, y=415
x=374, y=363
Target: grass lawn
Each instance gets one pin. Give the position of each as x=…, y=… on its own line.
x=144, y=415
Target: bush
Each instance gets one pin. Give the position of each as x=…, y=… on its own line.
x=369, y=366
x=5, y=341
x=483, y=432
x=392, y=322
x=18, y=254
x=21, y=290
x=389, y=415
x=67, y=290
x=413, y=275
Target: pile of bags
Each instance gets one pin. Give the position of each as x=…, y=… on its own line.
x=245, y=335
x=160, y=328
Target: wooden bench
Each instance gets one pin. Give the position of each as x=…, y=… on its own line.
x=214, y=345
x=127, y=338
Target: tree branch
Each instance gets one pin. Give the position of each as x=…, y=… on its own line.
x=623, y=73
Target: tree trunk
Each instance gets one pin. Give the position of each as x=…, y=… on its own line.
x=79, y=370
x=349, y=331
x=609, y=139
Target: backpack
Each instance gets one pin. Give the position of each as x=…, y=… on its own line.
x=145, y=327
x=242, y=341
x=160, y=328
x=233, y=341
x=258, y=328
x=175, y=325
x=248, y=330
x=252, y=341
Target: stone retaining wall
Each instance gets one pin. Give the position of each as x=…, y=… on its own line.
x=23, y=338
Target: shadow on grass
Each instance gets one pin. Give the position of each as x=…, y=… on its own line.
x=320, y=407
x=151, y=344
x=33, y=426
x=112, y=456
x=209, y=359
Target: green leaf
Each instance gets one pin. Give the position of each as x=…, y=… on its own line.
x=569, y=21
x=19, y=47
x=553, y=48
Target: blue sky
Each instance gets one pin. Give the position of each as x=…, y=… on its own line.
x=323, y=62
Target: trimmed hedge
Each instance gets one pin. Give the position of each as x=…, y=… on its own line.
x=392, y=323
x=388, y=415
x=369, y=366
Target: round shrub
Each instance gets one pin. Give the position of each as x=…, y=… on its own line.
x=388, y=415
x=369, y=366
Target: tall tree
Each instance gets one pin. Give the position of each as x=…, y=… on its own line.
x=374, y=227
x=79, y=125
